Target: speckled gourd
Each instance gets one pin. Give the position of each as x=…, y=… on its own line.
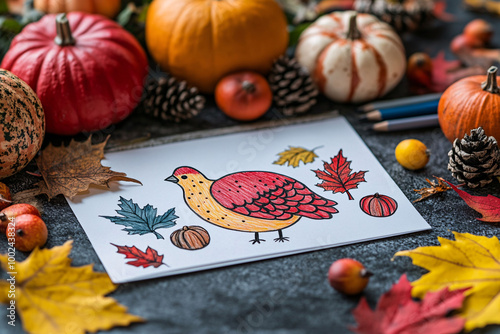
x=22, y=124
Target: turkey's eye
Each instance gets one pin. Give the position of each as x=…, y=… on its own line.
x=184, y=177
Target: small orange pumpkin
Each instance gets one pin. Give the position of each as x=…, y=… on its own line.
x=202, y=41
x=107, y=8
x=470, y=103
x=190, y=238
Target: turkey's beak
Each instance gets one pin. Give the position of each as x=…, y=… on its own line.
x=172, y=178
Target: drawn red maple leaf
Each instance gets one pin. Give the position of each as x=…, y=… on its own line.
x=398, y=313
x=144, y=259
x=487, y=206
x=338, y=176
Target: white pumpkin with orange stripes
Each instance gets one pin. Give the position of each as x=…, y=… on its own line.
x=352, y=57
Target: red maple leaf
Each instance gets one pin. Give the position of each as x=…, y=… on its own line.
x=338, y=176
x=440, y=75
x=398, y=313
x=487, y=206
x=150, y=258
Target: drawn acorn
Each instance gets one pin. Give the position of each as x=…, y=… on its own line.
x=378, y=205
x=190, y=238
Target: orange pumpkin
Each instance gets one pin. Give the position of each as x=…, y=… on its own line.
x=470, y=103
x=202, y=41
x=107, y=8
x=190, y=238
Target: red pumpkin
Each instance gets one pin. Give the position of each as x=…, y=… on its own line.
x=88, y=72
x=378, y=205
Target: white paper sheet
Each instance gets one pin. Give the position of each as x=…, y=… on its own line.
x=216, y=157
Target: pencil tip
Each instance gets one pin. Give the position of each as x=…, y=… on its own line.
x=362, y=118
x=365, y=108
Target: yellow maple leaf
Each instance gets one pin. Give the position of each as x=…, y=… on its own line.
x=294, y=155
x=53, y=297
x=469, y=261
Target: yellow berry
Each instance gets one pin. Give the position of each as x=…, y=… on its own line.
x=412, y=154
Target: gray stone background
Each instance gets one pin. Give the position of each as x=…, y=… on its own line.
x=289, y=294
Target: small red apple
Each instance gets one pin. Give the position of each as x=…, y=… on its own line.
x=30, y=231
x=11, y=212
x=244, y=96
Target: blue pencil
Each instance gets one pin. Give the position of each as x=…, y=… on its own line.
x=399, y=102
x=424, y=108
x=407, y=123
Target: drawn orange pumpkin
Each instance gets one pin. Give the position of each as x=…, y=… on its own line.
x=190, y=238
x=378, y=205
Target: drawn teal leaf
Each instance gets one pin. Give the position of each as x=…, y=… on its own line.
x=142, y=221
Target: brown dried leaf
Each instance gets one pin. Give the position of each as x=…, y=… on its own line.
x=435, y=188
x=69, y=170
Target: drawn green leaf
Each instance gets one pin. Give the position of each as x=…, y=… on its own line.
x=142, y=220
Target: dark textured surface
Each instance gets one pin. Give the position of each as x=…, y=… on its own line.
x=290, y=294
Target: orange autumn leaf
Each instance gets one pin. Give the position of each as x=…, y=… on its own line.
x=435, y=188
x=471, y=262
x=69, y=170
x=53, y=297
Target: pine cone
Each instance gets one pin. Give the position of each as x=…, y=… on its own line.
x=172, y=100
x=403, y=15
x=293, y=89
x=475, y=159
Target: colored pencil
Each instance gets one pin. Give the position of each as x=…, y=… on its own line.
x=399, y=102
x=424, y=108
x=407, y=123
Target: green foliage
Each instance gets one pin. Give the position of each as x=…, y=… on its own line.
x=142, y=221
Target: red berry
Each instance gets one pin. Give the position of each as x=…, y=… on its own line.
x=348, y=276
x=478, y=31
x=29, y=232
x=461, y=43
x=11, y=212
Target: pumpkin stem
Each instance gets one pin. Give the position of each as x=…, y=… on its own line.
x=491, y=85
x=248, y=86
x=353, y=31
x=64, y=36
x=185, y=228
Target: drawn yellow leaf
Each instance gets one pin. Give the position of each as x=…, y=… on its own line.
x=294, y=155
x=53, y=297
x=469, y=261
